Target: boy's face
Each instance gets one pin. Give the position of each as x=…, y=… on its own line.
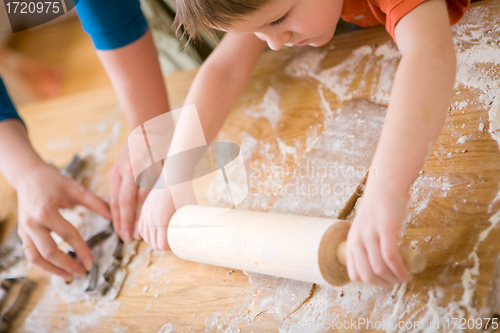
x=293, y=22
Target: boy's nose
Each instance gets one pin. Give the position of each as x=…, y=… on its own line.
x=276, y=42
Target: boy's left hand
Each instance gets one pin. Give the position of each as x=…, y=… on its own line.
x=420, y=95
x=372, y=243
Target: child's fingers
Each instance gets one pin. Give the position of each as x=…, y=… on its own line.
x=351, y=268
x=161, y=238
x=143, y=229
x=364, y=269
x=377, y=263
x=141, y=197
x=152, y=237
x=392, y=257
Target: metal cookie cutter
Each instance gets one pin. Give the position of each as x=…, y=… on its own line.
x=11, y=250
x=74, y=168
x=92, y=242
x=10, y=312
x=96, y=239
x=109, y=275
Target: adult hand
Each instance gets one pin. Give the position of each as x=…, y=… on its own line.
x=125, y=198
x=372, y=243
x=41, y=193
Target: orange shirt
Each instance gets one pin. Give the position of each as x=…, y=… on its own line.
x=369, y=13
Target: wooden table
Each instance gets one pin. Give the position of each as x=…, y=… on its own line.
x=195, y=297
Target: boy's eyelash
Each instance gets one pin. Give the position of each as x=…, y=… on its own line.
x=280, y=20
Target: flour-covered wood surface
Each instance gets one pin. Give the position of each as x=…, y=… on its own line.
x=307, y=123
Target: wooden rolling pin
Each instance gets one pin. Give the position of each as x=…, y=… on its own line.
x=296, y=247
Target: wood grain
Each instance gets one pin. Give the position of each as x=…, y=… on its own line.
x=192, y=296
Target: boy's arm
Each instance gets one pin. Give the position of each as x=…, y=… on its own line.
x=136, y=76
x=215, y=90
x=420, y=97
x=125, y=47
x=221, y=80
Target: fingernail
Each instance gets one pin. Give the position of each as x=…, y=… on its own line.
x=68, y=281
x=88, y=265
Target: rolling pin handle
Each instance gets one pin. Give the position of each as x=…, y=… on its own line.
x=415, y=261
x=342, y=253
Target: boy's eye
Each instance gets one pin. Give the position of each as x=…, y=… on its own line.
x=280, y=20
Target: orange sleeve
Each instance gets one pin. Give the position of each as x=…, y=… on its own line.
x=395, y=10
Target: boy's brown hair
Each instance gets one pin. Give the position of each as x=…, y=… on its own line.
x=196, y=16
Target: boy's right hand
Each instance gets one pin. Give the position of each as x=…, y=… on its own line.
x=41, y=192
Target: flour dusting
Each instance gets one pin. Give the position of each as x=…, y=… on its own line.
x=269, y=108
x=283, y=189
x=340, y=79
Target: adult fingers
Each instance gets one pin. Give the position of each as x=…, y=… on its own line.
x=49, y=251
x=114, y=194
x=377, y=263
x=84, y=197
x=71, y=236
x=33, y=256
x=392, y=257
x=127, y=201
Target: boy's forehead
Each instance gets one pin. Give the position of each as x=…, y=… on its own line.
x=261, y=18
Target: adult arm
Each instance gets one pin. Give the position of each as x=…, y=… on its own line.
x=7, y=108
x=41, y=191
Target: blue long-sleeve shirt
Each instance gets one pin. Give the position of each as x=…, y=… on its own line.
x=7, y=108
x=110, y=23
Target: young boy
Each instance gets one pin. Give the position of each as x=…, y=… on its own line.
x=420, y=97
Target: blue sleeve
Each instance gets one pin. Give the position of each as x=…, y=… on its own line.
x=112, y=23
x=7, y=109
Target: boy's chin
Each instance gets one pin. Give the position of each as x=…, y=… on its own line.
x=321, y=41
x=316, y=44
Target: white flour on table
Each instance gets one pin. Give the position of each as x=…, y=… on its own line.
x=478, y=71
